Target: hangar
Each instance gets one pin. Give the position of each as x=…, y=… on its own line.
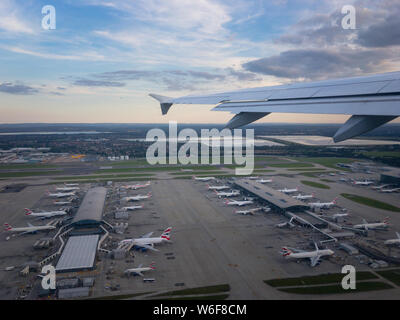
x=90, y=213
x=276, y=199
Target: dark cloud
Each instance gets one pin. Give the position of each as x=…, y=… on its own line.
x=319, y=63
x=382, y=34
x=243, y=75
x=97, y=83
x=17, y=89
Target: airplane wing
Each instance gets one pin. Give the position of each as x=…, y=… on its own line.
x=147, y=235
x=315, y=260
x=370, y=100
x=140, y=265
x=30, y=224
x=398, y=235
x=146, y=246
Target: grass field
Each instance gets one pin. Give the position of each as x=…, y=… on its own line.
x=315, y=184
x=27, y=166
x=371, y=202
x=291, y=165
x=392, y=275
x=382, y=154
x=337, y=288
x=199, y=290
x=329, y=162
x=27, y=174
x=319, y=279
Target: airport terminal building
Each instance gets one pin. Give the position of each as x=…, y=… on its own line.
x=273, y=198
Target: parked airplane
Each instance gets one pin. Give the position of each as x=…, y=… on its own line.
x=237, y=203
x=138, y=271
x=136, y=186
x=394, y=241
x=137, y=197
x=203, y=178
x=131, y=208
x=380, y=187
x=254, y=177
x=322, y=205
x=390, y=190
x=250, y=211
x=372, y=226
x=314, y=256
x=362, y=182
x=147, y=242
x=287, y=191
x=30, y=229
x=48, y=214
x=371, y=100
x=233, y=193
x=218, y=187
x=304, y=197
x=67, y=188
x=264, y=180
x=62, y=203
x=286, y=224
x=61, y=194
x=71, y=184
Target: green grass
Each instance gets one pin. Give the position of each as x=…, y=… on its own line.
x=371, y=202
x=382, y=154
x=335, y=289
x=199, y=290
x=120, y=296
x=391, y=275
x=329, y=162
x=27, y=174
x=315, y=184
x=327, y=180
x=307, y=169
x=26, y=166
x=319, y=279
x=291, y=165
x=195, y=173
x=104, y=176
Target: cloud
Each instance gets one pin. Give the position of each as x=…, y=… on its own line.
x=97, y=83
x=382, y=34
x=320, y=63
x=12, y=20
x=17, y=89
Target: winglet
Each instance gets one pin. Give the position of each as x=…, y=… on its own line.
x=165, y=102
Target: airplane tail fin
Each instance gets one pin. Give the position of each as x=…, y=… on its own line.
x=386, y=220
x=166, y=234
x=28, y=211
x=334, y=200
x=152, y=266
x=7, y=227
x=313, y=195
x=226, y=201
x=286, y=252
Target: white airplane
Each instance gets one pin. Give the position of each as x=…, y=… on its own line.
x=314, y=256
x=30, y=229
x=138, y=197
x=218, y=187
x=71, y=184
x=380, y=187
x=67, y=188
x=394, y=241
x=131, y=208
x=322, y=205
x=287, y=191
x=147, y=242
x=286, y=224
x=371, y=100
x=138, y=271
x=254, y=177
x=61, y=194
x=250, y=211
x=264, y=180
x=303, y=197
x=62, y=203
x=362, y=182
x=372, y=226
x=136, y=186
x=238, y=203
x=203, y=178
x=47, y=214
x=233, y=193
x=390, y=190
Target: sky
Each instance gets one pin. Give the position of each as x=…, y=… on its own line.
x=105, y=56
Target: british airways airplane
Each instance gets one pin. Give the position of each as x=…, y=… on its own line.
x=370, y=100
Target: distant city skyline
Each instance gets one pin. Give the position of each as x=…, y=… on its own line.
x=105, y=56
